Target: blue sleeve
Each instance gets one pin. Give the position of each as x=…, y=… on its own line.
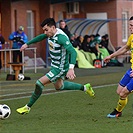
x=25, y=39
x=11, y=36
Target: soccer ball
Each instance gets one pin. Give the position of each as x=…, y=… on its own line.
x=20, y=77
x=5, y=111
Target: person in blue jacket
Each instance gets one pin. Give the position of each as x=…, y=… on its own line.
x=19, y=38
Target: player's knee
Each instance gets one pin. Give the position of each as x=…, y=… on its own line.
x=118, y=92
x=39, y=87
x=123, y=94
x=60, y=88
x=119, y=89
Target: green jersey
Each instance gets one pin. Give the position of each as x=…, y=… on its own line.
x=96, y=40
x=61, y=50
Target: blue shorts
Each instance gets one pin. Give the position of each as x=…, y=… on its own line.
x=127, y=81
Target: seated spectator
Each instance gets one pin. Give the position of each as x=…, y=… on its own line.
x=105, y=42
x=82, y=62
x=79, y=41
x=85, y=43
x=94, y=44
x=73, y=41
x=96, y=47
x=75, y=35
x=86, y=49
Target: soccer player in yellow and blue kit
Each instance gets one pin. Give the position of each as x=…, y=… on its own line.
x=63, y=59
x=125, y=86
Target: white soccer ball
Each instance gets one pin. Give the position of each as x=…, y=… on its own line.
x=5, y=111
x=20, y=77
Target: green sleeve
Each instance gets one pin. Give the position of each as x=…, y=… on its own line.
x=65, y=42
x=37, y=39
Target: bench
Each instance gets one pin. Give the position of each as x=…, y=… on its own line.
x=16, y=67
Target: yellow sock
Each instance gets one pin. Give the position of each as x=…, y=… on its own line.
x=121, y=104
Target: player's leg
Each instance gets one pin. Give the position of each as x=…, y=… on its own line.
x=123, y=90
x=122, y=102
x=67, y=85
x=39, y=86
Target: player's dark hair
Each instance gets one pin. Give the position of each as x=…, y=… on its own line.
x=131, y=18
x=49, y=22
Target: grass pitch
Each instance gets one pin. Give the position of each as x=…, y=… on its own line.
x=68, y=111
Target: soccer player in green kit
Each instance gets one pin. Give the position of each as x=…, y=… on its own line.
x=63, y=59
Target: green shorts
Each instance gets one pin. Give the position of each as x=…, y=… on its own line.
x=54, y=74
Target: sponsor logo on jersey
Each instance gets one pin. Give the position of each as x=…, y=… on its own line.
x=50, y=74
x=51, y=47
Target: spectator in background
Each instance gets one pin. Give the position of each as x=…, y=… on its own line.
x=85, y=43
x=86, y=50
x=82, y=61
x=64, y=28
x=2, y=41
x=19, y=38
x=75, y=35
x=79, y=41
x=76, y=42
x=94, y=45
x=73, y=41
x=105, y=42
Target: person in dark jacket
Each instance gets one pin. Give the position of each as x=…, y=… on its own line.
x=64, y=28
x=85, y=43
x=2, y=41
x=19, y=38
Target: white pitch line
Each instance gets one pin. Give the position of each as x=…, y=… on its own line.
x=30, y=96
x=22, y=93
x=48, y=93
x=5, y=90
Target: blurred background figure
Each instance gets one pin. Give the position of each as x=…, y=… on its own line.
x=94, y=44
x=19, y=38
x=64, y=28
x=105, y=43
x=2, y=41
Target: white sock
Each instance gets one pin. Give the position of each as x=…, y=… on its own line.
x=84, y=88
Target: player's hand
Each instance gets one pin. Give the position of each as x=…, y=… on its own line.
x=23, y=47
x=107, y=59
x=70, y=74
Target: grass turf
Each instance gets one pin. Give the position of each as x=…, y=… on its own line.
x=69, y=112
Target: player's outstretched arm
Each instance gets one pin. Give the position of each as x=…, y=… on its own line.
x=107, y=59
x=121, y=51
